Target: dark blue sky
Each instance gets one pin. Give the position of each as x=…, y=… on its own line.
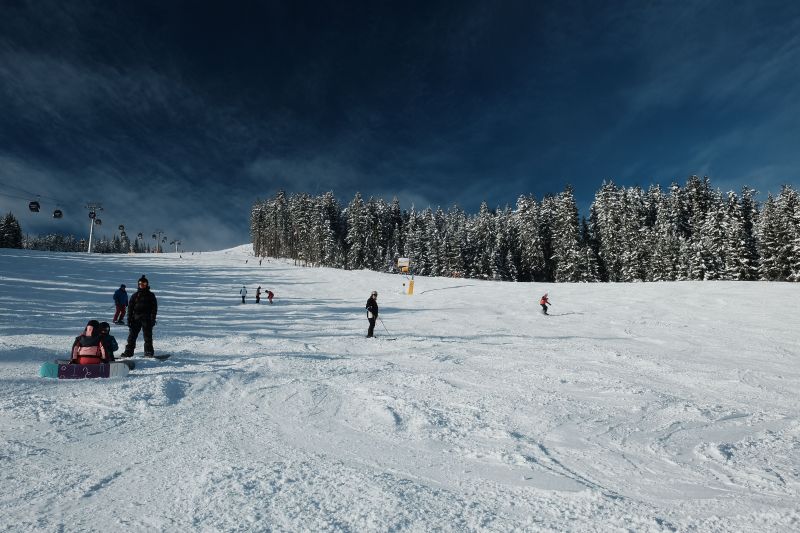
x=178, y=115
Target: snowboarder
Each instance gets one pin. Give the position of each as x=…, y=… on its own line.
x=270, y=294
x=258, y=294
x=108, y=340
x=544, y=302
x=243, y=293
x=87, y=348
x=372, y=312
x=121, y=303
x=142, y=311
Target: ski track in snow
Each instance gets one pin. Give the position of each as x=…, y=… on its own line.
x=634, y=407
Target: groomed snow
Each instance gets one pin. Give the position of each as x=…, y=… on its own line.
x=634, y=407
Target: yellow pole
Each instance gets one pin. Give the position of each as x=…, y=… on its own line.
x=411, y=287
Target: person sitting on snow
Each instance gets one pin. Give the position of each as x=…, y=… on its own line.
x=108, y=340
x=88, y=348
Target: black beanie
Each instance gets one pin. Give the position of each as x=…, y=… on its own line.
x=144, y=279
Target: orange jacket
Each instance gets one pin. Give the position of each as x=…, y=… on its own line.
x=544, y=300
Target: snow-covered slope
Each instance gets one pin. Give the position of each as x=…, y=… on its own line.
x=642, y=407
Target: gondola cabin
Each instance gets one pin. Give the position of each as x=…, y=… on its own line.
x=34, y=206
x=57, y=213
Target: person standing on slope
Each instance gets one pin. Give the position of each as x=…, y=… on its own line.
x=544, y=302
x=258, y=294
x=243, y=293
x=121, y=303
x=372, y=312
x=142, y=311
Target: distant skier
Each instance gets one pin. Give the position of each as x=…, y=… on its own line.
x=544, y=302
x=121, y=303
x=142, y=311
x=243, y=293
x=270, y=294
x=372, y=312
x=258, y=294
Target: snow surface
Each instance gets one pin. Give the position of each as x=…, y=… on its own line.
x=636, y=407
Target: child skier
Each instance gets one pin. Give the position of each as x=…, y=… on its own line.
x=121, y=304
x=258, y=295
x=243, y=293
x=108, y=340
x=270, y=294
x=543, y=302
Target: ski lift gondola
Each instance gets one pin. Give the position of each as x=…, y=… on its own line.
x=92, y=214
x=98, y=221
x=34, y=206
x=57, y=213
x=121, y=227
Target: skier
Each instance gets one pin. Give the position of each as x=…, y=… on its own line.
x=142, y=311
x=87, y=348
x=243, y=292
x=121, y=303
x=544, y=302
x=270, y=294
x=372, y=312
x=258, y=294
x=108, y=340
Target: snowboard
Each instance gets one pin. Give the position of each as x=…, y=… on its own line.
x=159, y=357
x=131, y=364
x=53, y=369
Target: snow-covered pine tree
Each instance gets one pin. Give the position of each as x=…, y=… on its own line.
x=740, y=252
x=481, y=233
x=712, y=239
x=411, y=244
x=531, y=254
x=566, y=238
x=664, y=239
x=607, y=210
x=10, y=232
x=356, y=233
x=588, y=263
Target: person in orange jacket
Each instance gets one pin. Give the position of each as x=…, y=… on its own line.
x=544, y=302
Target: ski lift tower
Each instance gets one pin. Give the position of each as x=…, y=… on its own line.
x=93, y=209
x=177, y=243
x=157, y=237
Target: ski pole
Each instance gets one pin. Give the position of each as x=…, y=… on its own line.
x=384, y=326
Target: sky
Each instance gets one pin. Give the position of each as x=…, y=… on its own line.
x=180, y=115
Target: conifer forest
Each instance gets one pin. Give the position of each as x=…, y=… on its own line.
x=693, y=232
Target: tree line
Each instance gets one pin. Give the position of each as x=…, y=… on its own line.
x=693, y=232
x=11, y=236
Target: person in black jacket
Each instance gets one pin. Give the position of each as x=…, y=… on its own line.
x=142, y=311
x=372, y=312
